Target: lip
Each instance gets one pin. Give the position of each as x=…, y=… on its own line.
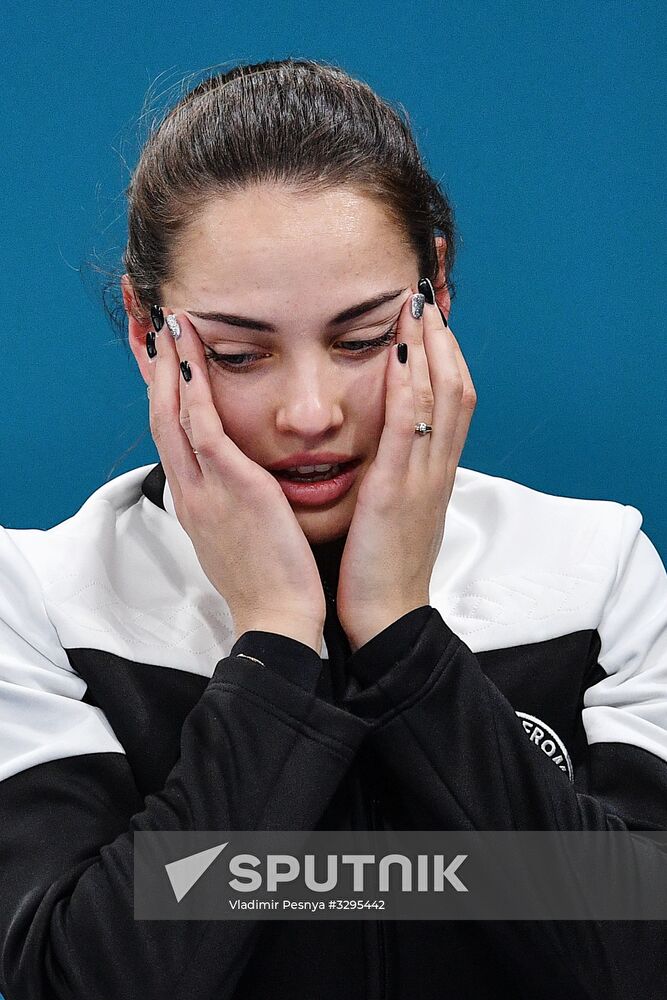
x=318, y=494
x=311, y=458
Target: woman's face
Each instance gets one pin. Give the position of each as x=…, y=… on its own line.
x=292, y=263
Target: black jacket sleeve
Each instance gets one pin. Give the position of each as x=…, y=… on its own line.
x=455, y=741
x=455, y=745
x=258, y=751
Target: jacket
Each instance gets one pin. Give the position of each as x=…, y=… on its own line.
x=530, y=694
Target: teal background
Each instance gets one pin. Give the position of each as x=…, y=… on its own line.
x=545, y=122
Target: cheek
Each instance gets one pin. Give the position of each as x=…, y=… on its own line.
x=367, y=400
x=241, y=419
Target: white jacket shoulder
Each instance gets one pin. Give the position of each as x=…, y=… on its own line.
x=122, y=575
x=519, y=565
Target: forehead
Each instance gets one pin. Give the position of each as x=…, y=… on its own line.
x=273, y=241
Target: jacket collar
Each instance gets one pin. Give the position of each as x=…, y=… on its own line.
x=156, y=488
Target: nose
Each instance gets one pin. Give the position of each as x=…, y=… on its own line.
x=309, y=402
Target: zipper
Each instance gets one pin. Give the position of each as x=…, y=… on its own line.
x=379, y=924
x=366, y=818
x=367, y=812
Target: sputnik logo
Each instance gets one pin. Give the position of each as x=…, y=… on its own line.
x=185, y=872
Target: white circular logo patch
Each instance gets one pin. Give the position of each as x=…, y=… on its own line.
x=548, y=741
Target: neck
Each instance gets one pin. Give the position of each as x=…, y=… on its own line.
x=328, y=556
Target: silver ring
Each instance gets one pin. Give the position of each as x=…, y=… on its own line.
x=423, y=428
x=148, y=391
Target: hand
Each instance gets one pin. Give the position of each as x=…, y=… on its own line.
x=244, y=532
x=399, y=518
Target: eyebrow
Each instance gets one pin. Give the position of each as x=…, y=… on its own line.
x=343, y=317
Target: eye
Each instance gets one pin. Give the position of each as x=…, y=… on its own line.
x=360, y=346
x=230, y=360
x=238, y=361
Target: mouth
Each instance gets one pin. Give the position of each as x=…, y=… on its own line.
x=318, y=487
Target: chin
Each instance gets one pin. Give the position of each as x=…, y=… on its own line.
x=324, y=525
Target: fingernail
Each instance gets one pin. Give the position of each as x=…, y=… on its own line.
x=157, y=318
x=427, y=290
x=151, y=349
x=417, y=305
x=402, y=351
x=174, y=326
x=185, y=371
x=444, y=318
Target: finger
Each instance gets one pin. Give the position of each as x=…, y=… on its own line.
x=468, y=402
x=448, y=387
x=412, y=332
x=422, y=389
x=197, y=406
x=395, y=445
x=170, y=438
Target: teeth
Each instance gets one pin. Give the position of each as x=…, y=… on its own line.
x=309, y=468
x=313, y=473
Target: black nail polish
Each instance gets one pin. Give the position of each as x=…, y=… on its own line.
x=426, y=288
x=402, y=351
x=444, y=319
x=157, y=318
x=185, y=370
x=151, y=349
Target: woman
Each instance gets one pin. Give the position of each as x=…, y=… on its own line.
x=215, y=643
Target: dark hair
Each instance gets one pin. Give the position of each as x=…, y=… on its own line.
x=299, y=122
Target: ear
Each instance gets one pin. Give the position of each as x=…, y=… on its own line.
x=139, y=323
x=442, y=297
